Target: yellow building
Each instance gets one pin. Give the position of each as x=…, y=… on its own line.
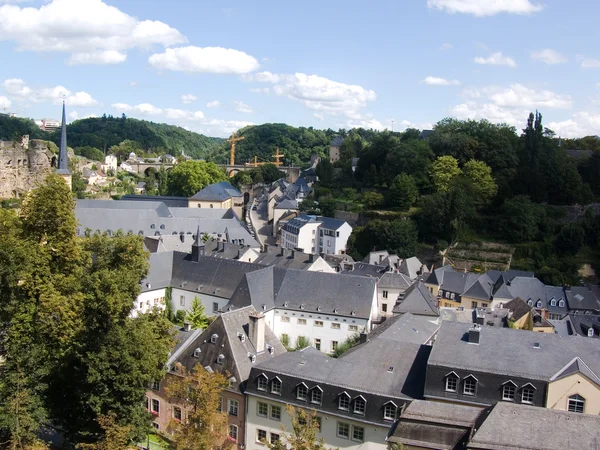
x=221, y=195
x=575, y=388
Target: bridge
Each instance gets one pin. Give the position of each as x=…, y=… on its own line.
x=141, y=168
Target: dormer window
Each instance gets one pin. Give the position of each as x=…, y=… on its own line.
x=527, y=393
x=360, y=405
x=316, y=395
x=590, y=332
x=530, y=302
x=576, y=403
x=302, y=392
x=344, y=401
x=451, y=382
x=508, y=391
x=261, y=382
x=252, y=359
x=538, y=304
x=220, y=359
x=390, y=410
x=561, y=303
x=213, y=338
x=470, y=385
x=553, y=302
x=353, y=312
x=242, y=337
x=276, y=386
x=197, y=353
x=302, y=306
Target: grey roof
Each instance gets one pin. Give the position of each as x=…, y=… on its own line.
x=518, y=308
x=63, y=157
x=376, y=257
x=287, y=203
x=437, y=276
x=576, y=365
x=509, y=352
x=182, y=340
x=160, y=271
x=330, y=223
x=217, y=192
x=337, y=141
x=366, y=270
x=416, y=434
x=170, y=201
x=562, y=327
x=443, y=413
x=582, y=298
x=515, y=426
x=507, y=275
x=417, y=300
x=457, y=282
x=527, y=288
x=411, y=267
x=290, y=259
x=582, y=323
x=228, y=327
x=355, y=162
x=305, y=290
x=406, y=328
x=557, y=294
x=394, y=280
x=425, y=134
x=481, y=289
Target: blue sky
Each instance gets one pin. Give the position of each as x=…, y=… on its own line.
x=215, y=66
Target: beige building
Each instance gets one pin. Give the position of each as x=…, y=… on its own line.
x=575, y=388
x=334, y=149
x=221, y=195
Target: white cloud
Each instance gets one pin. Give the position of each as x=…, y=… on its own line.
x=242, y=107
x=90, y=30
x=222, y=128
x=446, y=46
x=324, y=95
x=19, y=91
x=98, y=57
x=264, y=90
x=482, y=8
x=319, y=116
x=73, y=115
x=589, y=63
x=435, y=81
x=205, y=60
x=549, y=56
x=145, y=109
x=267, y=77
x=582, y=124
x=188, y=98
x=366, y=123
x=213, y=104
x=133, y=84
x=517, y=95
x=5, y=102
x=496, y=59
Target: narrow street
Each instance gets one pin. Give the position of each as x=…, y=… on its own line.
x=259, y=219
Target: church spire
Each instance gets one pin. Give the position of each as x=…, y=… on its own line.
x=63, y=158
x=198, y=247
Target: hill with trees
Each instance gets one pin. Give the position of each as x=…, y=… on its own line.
x=12, y=128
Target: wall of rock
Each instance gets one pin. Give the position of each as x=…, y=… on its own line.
x=23, y=165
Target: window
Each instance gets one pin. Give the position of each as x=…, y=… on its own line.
x=474, y=305
x=274, y=438
x=538, y=304
x=343, y=430
x=182, y=300
x=318, y=420
x=177, y=413
x=553, y=302
x=275, y=412
x=318, y=344
x=276, y=386
x=316, y=396
x=358, y=434
x=155, y=406
x=302, y=392
x=213, y=338
x=301, y=321
x=352, y=327
x=576, y=403
x=261, y=383
x=197, y=353
x=447, y=294
x=285, y=319
x=561, y=303
x=451, y=296
x=156, y=385
x=385, y=294
x=451, y=383
x=508, y=392
x=389, y=411
x=262, y=409
x=527, y=395
x=220, y=407
x=470, y=386
x=155, y=425
x=232, y=407
x=335, y=326
x=344, y=402
x=215, y=307
x=334, y=346
x=261, y=436
x=318, y=323
x=360, y=405
x=232, y=433
x=384, y=307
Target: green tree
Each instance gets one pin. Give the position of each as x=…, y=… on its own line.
x=483, y=184
x=271, y=173
x=189, y=177
x=325, y=172
x=196, y=315
x=403, y=192
x=198, y=393
x=115, y=436
x=372, y=199
x=303, y=435
x=570, y=239
x=443, y=171
x=90, y=153
x=520, y=219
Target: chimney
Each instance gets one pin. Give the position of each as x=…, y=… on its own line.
x=282, y=252
x=256, y=330
x=474, y=332
x=362, y=338
x=311, y=258
x=265, y=248
x=187, y=326
x=239, y=253
x=292, y=253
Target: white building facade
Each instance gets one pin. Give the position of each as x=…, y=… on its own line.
x=313, y=234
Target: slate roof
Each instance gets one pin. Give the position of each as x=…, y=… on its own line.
x=437, y=276
x=289, y=259
x=458, y=282
x=366, y=270
x=504, y=276
x=516, y=426
x=582, y=323
x=237, y=363
x=170, y=201
x=557, y=293
x=160, y=271
x=417, y=300
x=527, y=288
x=443, y=413
x=508, y=352
x=582, y=298
x=305, y=290
x=576, y=365
x=287, y=203
x=411, y=267
x=393, y=280
x=405, y=328
x=518, y=308
x=217, y=192
x=481, y=289
x=182, y=340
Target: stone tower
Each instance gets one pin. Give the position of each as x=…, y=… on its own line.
x=63, y=157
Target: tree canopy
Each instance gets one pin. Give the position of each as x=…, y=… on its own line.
x=189, y=177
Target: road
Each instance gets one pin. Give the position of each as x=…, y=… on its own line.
x=260, y=222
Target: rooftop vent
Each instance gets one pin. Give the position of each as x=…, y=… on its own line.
x=242, y=336
x=197, y=353
x=302, y=306
x=536, y=345
x=474, y=332
x=335, y=310
x=353, y=312
x=220, y=359
x=252, y=359
x=302, y=362
x=390, y=369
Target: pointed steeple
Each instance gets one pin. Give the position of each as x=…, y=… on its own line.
x=198, y=247
x=63, y=158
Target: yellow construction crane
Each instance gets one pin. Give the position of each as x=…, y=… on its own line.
x=278, y=156
x=232, y=141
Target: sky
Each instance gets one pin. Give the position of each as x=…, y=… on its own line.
x=214, y=66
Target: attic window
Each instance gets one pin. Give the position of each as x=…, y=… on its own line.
x=264, y=307
x=530, y=302
x=213, y=338
x=553, y=302
x=252, y=359
x=162, y=226
x=561, y=303
x=220, y=358
x=271, y=349
x=197, y=353
x=590, y=332
x=318, y=308
x=152, y=227
x=538, y=304
x=242, y=336
x=285, y=304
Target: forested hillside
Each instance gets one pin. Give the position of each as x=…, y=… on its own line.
x=12, y=128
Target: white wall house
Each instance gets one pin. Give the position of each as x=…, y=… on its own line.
x=182, y=299
x=301, y=235
x=316, y=234
x=333, y=236
x=148, y=300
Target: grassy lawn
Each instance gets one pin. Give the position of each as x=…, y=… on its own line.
x=157, y=442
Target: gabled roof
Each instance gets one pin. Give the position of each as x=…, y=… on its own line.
x=582, y=298
x=518, y=308
x=394, y=280
x=411, y=267
x=217, y=192
x=481, y=289
x=407, y=328
x=527, y=288
x=458, y=282
x=576, y=365
x=437, y=276
x=287, y=203
x=417, y=300
x=376, y=257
